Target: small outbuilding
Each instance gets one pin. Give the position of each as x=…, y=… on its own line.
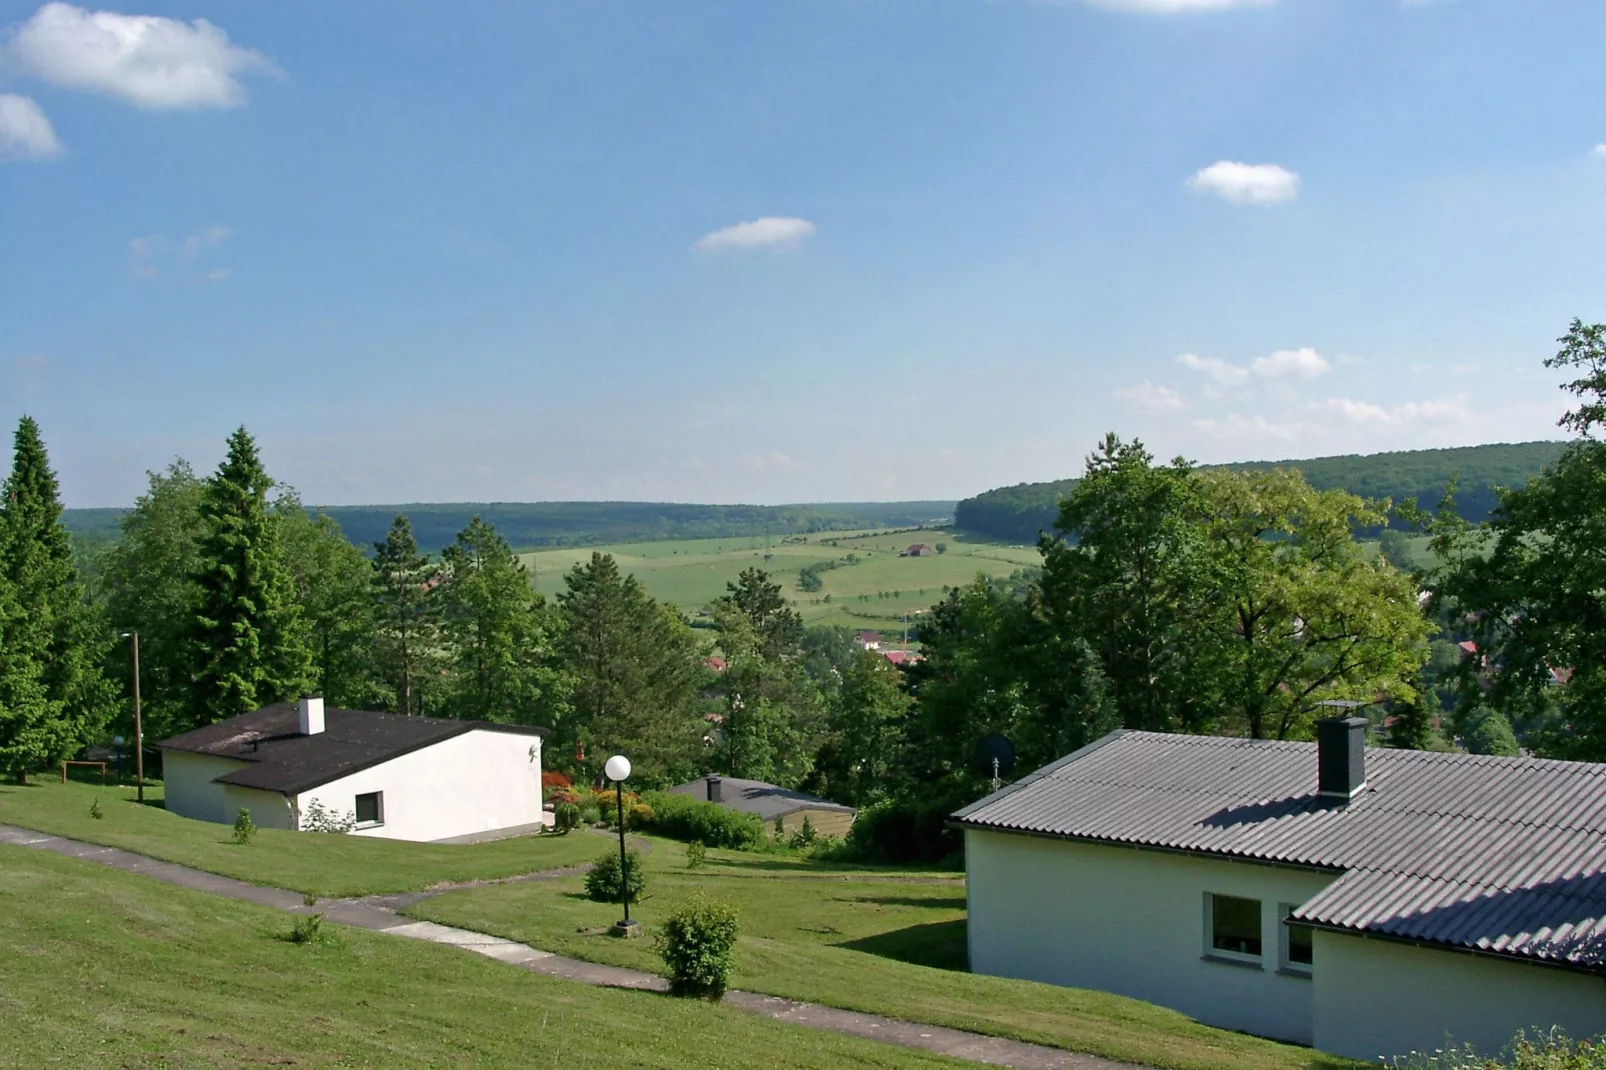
x=386, y=775
x=1370, y=903
x=771, y=803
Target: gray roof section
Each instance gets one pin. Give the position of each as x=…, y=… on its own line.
x=1506, y=855
x=756, y=797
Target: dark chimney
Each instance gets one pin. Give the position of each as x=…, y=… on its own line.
x=715, y=789
x=1341, y=757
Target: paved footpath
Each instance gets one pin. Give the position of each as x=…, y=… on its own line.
x=378, y=913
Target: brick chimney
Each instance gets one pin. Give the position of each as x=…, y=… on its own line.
x=309, y=713
x=716, y=789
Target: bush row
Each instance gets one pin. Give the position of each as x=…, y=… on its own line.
x=682, y=817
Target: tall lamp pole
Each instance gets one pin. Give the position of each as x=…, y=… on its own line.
x=617, y=770
x=139, y=735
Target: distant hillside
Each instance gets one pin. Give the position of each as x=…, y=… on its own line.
x=532, y=525
x=1018, y=513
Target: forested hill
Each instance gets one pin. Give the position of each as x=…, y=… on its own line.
x=1018, y=513
x=530, y=525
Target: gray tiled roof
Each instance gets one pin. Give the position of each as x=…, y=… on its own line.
x=1506, y=855
x=768, y=801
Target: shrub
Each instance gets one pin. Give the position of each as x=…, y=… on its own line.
x=565, y=795
x=308, y=929
x=551, y=778
x=682, y=817
x=95, y=811
x=566, y=818
x=244, y=829
x=698, y=944
x=602, y=882
x=1547, y=1051
x=804, y=836
x=696, y=854
x=902, y=831
x=639, y=817
x=590, y=813
x=319, y=818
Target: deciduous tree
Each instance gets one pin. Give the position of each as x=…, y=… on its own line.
x=407, y=625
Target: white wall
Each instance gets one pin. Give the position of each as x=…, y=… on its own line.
x=476, y=782
x=187, y=788
x=1375, y=997
x=269, y=809
x=1132, y=922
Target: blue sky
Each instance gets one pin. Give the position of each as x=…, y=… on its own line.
x=786, y=251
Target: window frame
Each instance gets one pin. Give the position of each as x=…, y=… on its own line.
x=379, y=809
x=1226, y=955
x=1285, y=963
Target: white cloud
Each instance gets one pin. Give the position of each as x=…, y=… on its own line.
x=1365, y=412
x=1236, y=426
x=25, y=133
x=1245, y=183
x=149, y=254
x=1304, y=363
x=1150, y=398
x=1222, y=372
x=1599, y=151
x=203, y=239
x=769, y=232
x=147, y=60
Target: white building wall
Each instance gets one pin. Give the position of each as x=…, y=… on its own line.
x=1380, y=998
x=1133, y=922
x=269, y=809
x=476, y=782
x=187, y=788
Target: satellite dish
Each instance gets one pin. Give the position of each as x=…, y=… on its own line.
x=995, y=747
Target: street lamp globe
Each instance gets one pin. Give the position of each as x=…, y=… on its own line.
x=617, y=769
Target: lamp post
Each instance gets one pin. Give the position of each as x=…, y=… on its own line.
x=139, y=735
x=617, y=770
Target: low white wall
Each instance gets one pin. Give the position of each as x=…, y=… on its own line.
x=476, y=782
x=187, y=788
x=1380, y=998
x=1132, y=922
x=269, y=809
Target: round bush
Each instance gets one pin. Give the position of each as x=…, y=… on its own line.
x=565, y=818
x=639, y=817
x=590, y=814
x=602, y=882
x=698, y=944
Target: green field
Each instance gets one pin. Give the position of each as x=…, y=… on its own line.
x=103, y=968
x=874, y=593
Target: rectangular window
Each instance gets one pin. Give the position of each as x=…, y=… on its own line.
x=1234, y=926
x=1296, y=944
x=371, y=809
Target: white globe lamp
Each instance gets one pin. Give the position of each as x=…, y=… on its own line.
x=617, y=769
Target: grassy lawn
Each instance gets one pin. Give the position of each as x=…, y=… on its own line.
x=864, y=940
x=690, y=573
x=101, y=968
x=305, y=862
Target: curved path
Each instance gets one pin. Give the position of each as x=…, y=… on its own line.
x=376, y=914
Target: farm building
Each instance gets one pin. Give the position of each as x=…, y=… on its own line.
x=868, y=640
x=770, y=802
x=402, y=778
x=918, y=549
x=1367, y=902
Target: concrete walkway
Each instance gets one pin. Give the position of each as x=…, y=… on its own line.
x=378, y=914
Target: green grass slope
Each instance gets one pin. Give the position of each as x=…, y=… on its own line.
x=106, y=969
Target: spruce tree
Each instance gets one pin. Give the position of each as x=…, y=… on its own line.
x=403, y=580
x=29, y=722
x=248, y=645
x=53, y=637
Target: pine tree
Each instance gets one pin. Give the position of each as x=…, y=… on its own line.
x=29, y=722
x=406, y=640
x=248, y=643
x=53, y=636
x=499, y=631
x=333, y=586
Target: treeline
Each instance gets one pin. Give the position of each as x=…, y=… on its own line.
x=531, y=525
x=1021, y=512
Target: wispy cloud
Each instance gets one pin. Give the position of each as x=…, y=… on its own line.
x=25, y=133
x=1599, y=151
x=146, y=60
x=1302, y=363
x=1366, y=412
x=768, y=232
x=1246, y=183
x=205, y=239
x=150, y=254
x=1150, y=398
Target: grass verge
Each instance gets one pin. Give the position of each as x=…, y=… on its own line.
x=323, y=865
x=867, y=941
x=102, y=968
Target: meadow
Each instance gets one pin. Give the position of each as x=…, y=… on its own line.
x=873, y=593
